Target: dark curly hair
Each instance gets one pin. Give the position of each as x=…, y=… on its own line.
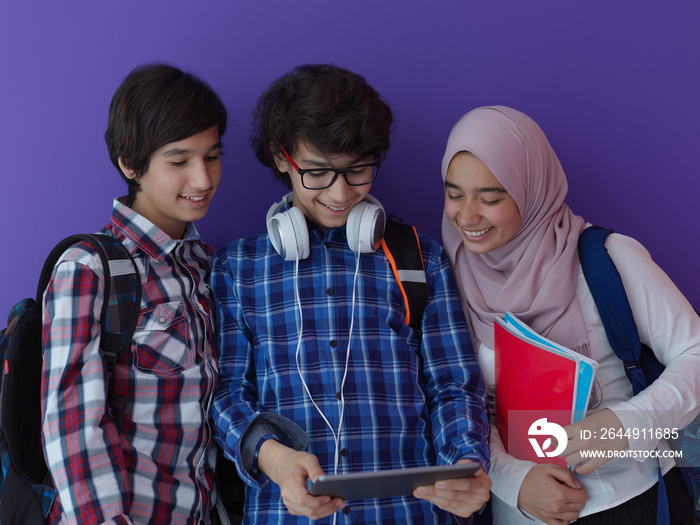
x=155, y=105
x=328, y=108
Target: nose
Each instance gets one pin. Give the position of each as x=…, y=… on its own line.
x=340, y=190
x=469, y=213
x=202, y=175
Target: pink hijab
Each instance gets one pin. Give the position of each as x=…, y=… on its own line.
x=534, y=274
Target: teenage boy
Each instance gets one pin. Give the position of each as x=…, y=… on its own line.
x=319, y=372
x=164, y=137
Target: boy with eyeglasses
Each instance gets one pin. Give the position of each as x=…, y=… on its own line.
x=319, y=372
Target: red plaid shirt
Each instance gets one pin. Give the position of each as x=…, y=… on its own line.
x=159, y=469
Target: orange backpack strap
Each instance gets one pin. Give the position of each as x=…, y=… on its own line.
x=402, y=248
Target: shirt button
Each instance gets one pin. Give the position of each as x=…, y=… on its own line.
x=339, y=395
x=327, y=244
x=161, y=320
x=344, y=452
x=346, y=510
x=334, y=343
x=329, y=291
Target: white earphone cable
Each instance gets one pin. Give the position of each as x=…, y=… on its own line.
x=347, y=358
x=300, y=328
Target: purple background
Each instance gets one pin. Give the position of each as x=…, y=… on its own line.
x=613, y=84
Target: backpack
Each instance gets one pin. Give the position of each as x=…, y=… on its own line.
x=26, y=488
x=402, y=247
x=640, y=363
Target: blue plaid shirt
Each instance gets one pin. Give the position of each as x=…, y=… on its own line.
x=409, y=401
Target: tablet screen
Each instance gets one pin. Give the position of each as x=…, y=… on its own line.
x=388, y=483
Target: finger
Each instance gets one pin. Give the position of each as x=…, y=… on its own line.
x=565, y=476
x=309, y=463
x=590, y=465
x=567, y=517
x=575, y=459
x=459, y=485
x=295, y=494
x=446, y=489
x=321, y=503
x=311, y=506
x=461, y=492
x=426, y=492
x=451, y=498
x=563, y=518
x=307, y=500
x=573, y=445
x=480, y=479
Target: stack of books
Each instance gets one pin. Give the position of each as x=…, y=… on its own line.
x=538, y=382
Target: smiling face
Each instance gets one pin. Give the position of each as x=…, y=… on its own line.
x=328, y=208
x=478, y=206
x=180, y=182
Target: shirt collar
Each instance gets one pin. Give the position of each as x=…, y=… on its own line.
x=146, y=235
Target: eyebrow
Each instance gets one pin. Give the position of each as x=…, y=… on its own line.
x=325, y=164
x=316, y=163
x=487, y=189
x=175, y=151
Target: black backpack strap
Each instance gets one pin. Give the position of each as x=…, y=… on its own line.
x=610, y=299
x=124, y=304
x=402, y=248
x=120, y=310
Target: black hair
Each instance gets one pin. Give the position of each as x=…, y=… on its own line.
x=325, y=107
x=155, y=105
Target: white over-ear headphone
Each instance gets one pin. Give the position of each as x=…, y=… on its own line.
x=290, y=236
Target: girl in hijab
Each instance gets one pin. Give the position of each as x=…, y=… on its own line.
x=512, y=242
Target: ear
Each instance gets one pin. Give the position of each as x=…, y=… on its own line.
x=282, y=163
x=124, y=165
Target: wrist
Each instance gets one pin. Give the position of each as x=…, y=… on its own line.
x=269, y=456
x=254, y=469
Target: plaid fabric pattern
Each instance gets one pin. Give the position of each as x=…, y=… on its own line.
x=159, y=470
x=408, y=402
x=122, y=292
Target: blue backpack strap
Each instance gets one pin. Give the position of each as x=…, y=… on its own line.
x=610, y=298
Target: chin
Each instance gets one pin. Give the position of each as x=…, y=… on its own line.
x=476, y=248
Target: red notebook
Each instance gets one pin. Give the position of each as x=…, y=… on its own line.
x=531, y=383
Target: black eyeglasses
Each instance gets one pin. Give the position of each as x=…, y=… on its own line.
x=322, y=178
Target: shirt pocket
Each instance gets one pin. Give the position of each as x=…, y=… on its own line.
x=163, y=340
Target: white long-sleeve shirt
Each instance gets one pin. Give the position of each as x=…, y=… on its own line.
x=668, y=324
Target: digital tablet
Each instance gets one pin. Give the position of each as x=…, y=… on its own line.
x=388, y=483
